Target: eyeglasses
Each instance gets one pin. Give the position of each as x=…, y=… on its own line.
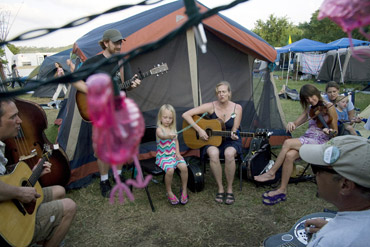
x=318, y=168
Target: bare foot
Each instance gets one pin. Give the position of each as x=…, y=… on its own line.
x=264, y=177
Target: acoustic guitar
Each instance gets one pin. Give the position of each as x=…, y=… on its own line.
x=17, y=223
x=81, y=98
x=297, y=234
x=215, y=129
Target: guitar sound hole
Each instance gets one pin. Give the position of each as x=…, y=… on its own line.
x=209, y=132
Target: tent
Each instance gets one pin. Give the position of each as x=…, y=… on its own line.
x=304, y=45
x=191, y=79
x=345, y=43
x=47, y=70
x=342, y=66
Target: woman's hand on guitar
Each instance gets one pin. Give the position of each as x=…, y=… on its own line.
x=135, y=82
x=203, y=135
x=290, y=127
x=314, y=225
x=234, y=135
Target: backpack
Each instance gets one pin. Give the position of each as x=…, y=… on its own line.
x=258, y=161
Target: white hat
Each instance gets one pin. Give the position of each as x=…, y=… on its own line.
x=349, y=156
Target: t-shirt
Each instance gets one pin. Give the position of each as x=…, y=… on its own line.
x=346, y=229
x=106, y=68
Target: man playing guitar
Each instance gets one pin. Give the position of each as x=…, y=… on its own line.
x=51, y=218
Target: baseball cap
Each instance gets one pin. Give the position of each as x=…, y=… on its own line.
x=112, y=34
x=348, y=155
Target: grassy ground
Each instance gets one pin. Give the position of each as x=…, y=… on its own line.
x=201, y=222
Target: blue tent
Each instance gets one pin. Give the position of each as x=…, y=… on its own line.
x=306, y=45
x=47, y=70
x=344, y=42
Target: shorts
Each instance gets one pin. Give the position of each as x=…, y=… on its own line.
x=48, y=217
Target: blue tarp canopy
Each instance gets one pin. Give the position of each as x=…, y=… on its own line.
x=344, y=42
x=306, y=45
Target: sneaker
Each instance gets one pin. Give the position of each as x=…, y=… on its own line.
x=105, y=188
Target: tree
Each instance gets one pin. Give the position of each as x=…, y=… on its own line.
x=276, y=30
x=15, y=50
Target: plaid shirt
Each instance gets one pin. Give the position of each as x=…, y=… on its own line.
x=3, y=160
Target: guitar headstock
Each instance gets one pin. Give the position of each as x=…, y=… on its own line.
x=159, y=69
x=263, y=133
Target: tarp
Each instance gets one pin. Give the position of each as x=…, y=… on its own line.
x=191, y=79
x=345, y=43
x=306, y=45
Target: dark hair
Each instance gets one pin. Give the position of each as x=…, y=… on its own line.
x=331, y=84
x=13, y=66
x=306, y=91
x=4, y=100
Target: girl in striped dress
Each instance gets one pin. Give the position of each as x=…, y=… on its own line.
x=168, y=156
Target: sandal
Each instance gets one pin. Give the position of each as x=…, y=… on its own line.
x=230, y=199
x=272, y=200
x=220, y=197
x=184, y=199
x=173, y=200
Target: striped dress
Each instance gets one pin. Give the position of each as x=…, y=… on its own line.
x=166, y=154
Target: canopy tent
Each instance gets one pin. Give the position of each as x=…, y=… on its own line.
x=47, y=70
x=304, y=45
x=346, y=42
x=191, y=79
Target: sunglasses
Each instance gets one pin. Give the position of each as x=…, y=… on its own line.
x=317, y=168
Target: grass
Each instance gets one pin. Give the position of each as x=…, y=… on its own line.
x=201, y=222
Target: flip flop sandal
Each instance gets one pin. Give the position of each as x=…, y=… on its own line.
x=220, y=197
x=184, y=199
x=173, y=200
x=229, y=199
x=265, y=195
x=272, y=200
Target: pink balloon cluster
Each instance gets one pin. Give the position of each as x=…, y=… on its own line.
x=118, y=127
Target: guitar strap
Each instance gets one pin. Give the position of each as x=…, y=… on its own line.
x=189, y=126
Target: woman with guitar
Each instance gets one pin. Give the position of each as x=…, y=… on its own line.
x=29, y=213
x=322, y=125
x=230, y=114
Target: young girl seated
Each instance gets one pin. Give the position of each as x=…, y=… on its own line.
x=341, y=106
x=168, y=156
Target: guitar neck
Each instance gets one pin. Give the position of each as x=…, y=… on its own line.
x=228, y=134
x=127, y=84
x=37, y=172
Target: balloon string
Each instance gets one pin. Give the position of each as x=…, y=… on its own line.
x=191, y=125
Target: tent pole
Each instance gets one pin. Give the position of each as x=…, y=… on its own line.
x=193, y=65
x=296, y=75
x=340, y=68
x=282, y=75
x=287, y=76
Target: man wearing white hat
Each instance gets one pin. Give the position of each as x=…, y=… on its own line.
x=342, y=169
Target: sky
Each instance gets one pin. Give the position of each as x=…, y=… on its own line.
x=27, y=15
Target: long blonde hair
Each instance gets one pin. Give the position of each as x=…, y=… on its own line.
x=172, y=110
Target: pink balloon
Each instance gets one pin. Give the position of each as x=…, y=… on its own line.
x=118, y=127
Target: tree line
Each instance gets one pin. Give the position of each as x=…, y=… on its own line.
x=276, y=30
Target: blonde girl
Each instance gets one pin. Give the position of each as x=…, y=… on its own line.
x=168, y=156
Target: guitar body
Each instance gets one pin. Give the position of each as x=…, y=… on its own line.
x=192, y=139
x=33, y=141
x=17, y=228
x=297, y=234
x=81, y=102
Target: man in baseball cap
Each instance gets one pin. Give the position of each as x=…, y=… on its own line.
x=342, y=169
x=111, y=44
